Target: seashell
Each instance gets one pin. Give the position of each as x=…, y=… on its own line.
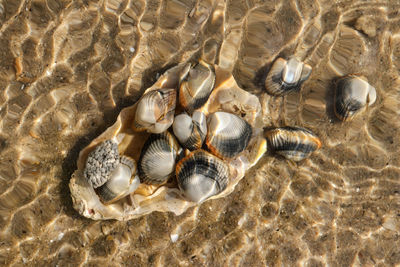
x=227, y=96
x=157, y=159
x=197, y=86
x=286, y=76
x=352, y=94
x=101, y=162
x=201, y=175
x=190, y=131
x=294, y=143
x=227, y=135
x=155, y=111
x=123, y=181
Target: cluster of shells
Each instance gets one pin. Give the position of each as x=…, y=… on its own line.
x=191, y=137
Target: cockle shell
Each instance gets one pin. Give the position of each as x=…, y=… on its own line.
x=197, y=86
x=123, y=181
x=352, y=94
x=294, y=143
x=286, y=76
x=226, y=96
x=155, y=111
x=190, y=131
x=157, y=160
x=227, y=134
x=201, y=175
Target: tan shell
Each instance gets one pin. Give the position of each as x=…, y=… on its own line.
x=226, y=96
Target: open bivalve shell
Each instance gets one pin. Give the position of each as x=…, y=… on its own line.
x=226, y=96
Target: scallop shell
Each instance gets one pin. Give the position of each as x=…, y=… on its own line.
x=155, y=111
x=226, y=96
x=286, y=76
x=123, y=181
x=201, y=175
x=157, y=160
x=294, y=143
x=197, y=86
x=227, y=135
x=352, y=94
x=190, y=131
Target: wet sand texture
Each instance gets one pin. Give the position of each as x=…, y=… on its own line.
x=68, y=67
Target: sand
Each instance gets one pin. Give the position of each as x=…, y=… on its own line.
x=67, y=68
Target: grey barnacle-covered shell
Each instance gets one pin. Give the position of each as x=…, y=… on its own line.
x=197, y=87
x=286, y=76
x=190, y=131
x=122, y=182
x=294, y=143
x=101, y=162
x=201, y=175
x=158, y=158
x=155, y=111
x=352, y=94
x=227, y=134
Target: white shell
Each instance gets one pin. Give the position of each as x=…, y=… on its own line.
x=286, y=76
x=352, y=94
x=190, y=131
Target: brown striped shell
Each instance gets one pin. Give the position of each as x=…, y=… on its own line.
x=294, y=143
x=352, y=94
x=190, y=131
x=155, y=111
x=197, y=86
x=227, y=134
x=286, y=76
x=157, y=159
x=201, y=175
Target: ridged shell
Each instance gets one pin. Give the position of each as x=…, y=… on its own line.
x=294, y=143
x=351, y=95
x=190, y=131
x=101, y=162
x=227, y=134
x=197, y=86
x=122, y=182
x=201, y=175
x=286, y=76
x=157, y=159
x=155, y=111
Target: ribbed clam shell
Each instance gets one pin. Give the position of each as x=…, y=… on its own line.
x=155, y=111
x=294, y=143
x=286, y=76
x=122, y=182
x=101, y=162
x=196, y=88
x=190, y=131
x=351, y=95
x=201, y=175
x=157, y=159
x=227, y=134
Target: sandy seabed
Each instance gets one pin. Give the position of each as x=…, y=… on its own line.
x=68, y=67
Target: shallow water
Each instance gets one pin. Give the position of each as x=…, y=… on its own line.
x=68, y=67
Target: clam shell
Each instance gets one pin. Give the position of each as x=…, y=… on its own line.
x=157, y=160
x=226, y=96
x=352, y=94
x=227, y=135
x=286, y=76
x=197, y=86
x=201, y=175
x=101, y=162
x=155, y=111
x=190, y=131
x=294, y=143
x=122, y=182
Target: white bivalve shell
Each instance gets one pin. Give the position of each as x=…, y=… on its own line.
x=190, y=131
